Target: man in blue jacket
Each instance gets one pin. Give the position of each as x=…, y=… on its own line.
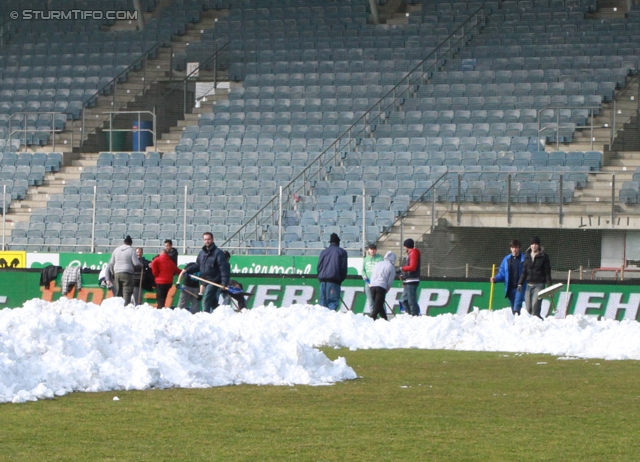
x=509, y=273
x=332, y=270
x=213, y=267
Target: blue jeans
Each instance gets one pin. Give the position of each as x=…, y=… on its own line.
x=515, y=298
x=330, y=295
x=210, y=298
x=410, y=297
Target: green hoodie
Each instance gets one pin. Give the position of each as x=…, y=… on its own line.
x=368, y=263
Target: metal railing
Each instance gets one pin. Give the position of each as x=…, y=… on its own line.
x=26, y=129
x=624, y=107
x=430, y=195
x=363, y=126
x=113, y=85
x=601, y=201
x=558, y=128
x=600, y=206
x=164, y=104
x=137, y=129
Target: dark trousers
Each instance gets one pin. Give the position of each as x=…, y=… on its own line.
x=124, y=286
x=161, y=293
x=210, y=298
x=378, y=294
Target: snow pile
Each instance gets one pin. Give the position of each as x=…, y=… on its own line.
x=480, y=330
x=49, y=349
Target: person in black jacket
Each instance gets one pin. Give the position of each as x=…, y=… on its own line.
x=142, y=278
x=189, y=298
x=536, y=272
x=213, y=267
x=171, y=250
x=332, y=270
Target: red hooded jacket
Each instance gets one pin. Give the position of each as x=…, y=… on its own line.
x=163, y=269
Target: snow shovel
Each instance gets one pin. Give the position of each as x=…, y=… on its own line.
x=184, y=289
x=390, y=309
x=139, y=301
x=231, y=290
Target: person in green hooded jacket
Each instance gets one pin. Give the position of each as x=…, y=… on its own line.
x=368, y=262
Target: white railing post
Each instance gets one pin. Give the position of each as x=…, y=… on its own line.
x=364, y=221
x=93, y=220
x=184, y=228
x=280, y=223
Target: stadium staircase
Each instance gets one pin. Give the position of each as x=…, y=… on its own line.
x=590, y=205
x=129, y=97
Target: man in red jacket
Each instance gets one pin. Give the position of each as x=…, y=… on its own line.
x=411, y=278
x=163, y=269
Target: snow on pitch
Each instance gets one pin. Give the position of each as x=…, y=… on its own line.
x=49, y=349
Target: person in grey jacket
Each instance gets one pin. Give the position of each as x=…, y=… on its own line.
x=381, y=281
x=123, y=264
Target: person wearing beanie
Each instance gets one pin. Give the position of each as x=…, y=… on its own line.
x=382, y=277
x=332, y=271
x=411, y=278
x=536, y=272
x=368, y=263
x=509, y=273
x=123, y=265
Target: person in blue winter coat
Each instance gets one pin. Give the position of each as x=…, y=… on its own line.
x=509, y=273
x=332, y=271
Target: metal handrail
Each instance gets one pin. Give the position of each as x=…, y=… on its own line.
x=113, y=83
x=599, y=211
x=420, y=200
x=139, y=128
x=478, y=16
x=52, y=130
x=591, y=126
x=614, y=111
x=182, y=82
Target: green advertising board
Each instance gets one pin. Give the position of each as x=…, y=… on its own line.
x=614, y=301
x=240, y=264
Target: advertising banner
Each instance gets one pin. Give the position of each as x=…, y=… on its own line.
x=13, y=259
x=241, y=264
x=613, y=301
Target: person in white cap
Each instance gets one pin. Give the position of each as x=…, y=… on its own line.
x=368, y=263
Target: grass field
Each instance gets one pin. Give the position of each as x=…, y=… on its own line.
x=406, y=405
